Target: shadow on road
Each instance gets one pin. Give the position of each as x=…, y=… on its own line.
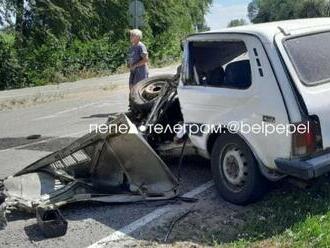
x=11, y=142
x=211, y=220
x=195, y=172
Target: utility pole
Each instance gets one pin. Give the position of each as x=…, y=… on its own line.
x=19, y=5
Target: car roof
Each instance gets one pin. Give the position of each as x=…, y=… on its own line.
x=267, y=31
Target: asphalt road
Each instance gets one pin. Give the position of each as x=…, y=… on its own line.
x=59, y=123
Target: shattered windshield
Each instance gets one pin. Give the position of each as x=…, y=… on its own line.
x=310, y=56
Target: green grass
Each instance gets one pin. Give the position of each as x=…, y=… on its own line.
x=288, y=217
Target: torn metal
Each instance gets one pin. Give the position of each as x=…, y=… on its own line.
x=111, y=168
x=106, y=167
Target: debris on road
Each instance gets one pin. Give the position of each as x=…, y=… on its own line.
x=99, y=167
x=51, y=222
x=106, y=167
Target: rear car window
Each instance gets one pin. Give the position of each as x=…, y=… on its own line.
x=310, y=56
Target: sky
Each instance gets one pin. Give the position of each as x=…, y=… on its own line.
x=223, y=11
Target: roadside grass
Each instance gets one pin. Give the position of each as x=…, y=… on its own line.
x=30, y=101
x=287, y=217
x=80, y=75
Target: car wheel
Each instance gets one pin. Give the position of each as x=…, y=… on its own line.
x=235, y=171
x=145, y=93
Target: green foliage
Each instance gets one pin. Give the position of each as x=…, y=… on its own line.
x=287, y=217
x=41, y=63
x=237, y=22
x=56, y=39
x=268, y=10
x=10, y=70
x=55, y=61
x=311, y=9
x=93, y=55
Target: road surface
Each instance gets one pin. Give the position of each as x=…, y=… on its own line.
x=59, y=123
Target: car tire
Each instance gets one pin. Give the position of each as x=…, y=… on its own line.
x=145, y=93
x=236, y=172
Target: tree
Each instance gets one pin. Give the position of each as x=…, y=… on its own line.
x=326, y=11
x=311, y=8
x=203, y=28
x=237, y=22
x=57, y=38
x=253, y=10
x=268, y=10
x=10, y=9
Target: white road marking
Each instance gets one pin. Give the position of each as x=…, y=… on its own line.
x=125, y=231
x=96, y=105
x=43, y=141
x=199, y=189
x=55, y=115
x=110, y=104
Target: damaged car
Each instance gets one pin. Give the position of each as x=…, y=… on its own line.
x=258, y=95
x=267, y=75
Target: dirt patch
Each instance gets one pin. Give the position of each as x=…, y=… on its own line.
x=210, y=215
x=39, y=99
x=30, y=101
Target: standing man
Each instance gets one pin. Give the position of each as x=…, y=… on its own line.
x=137, y=59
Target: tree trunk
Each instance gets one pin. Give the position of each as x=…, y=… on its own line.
x=19, y=22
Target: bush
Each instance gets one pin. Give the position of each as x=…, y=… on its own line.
x=56, y=61
x=11, y=73
x=95, y=55
x=42, y=64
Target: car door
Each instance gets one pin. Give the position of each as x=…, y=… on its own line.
x=248, y=94
x=205, y=101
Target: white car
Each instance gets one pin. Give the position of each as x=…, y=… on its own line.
x=260, y=97
x=254, y=99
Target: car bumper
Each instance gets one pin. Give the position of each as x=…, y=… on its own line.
x=305, y=168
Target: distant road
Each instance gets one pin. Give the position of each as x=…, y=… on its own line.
x=10, y=98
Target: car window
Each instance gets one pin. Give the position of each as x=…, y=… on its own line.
x=219, y=64
x=310, y=56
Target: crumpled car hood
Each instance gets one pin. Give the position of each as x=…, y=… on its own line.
x=110, y=167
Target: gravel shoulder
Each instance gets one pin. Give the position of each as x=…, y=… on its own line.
x=18, y=98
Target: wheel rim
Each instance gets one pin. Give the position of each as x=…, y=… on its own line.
x=233, y=164
x=152, y=90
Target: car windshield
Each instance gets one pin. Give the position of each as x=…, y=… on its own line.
x=310, y=56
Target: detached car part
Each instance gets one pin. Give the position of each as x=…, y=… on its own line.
x=146, y=93
x=109, y=167
x=155, y=101
x=51, y=222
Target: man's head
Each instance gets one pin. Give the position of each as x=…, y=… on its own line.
x=135, y=36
